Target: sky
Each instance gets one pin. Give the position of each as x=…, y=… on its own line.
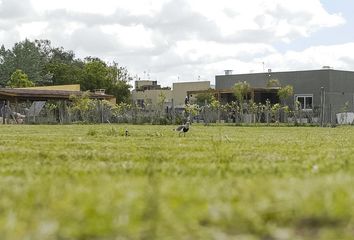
x=190, y=40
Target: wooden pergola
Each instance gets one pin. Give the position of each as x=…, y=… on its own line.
x=15, y=96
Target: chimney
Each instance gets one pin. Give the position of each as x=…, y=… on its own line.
x=228, y=72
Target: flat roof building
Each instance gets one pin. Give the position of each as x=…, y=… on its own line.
x=338, y=86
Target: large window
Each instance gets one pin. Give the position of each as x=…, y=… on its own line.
x=305, y=101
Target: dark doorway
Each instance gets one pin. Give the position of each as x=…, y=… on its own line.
x=261, y=96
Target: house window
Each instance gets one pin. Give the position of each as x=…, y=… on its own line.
x=140, y=103
x=305, y=101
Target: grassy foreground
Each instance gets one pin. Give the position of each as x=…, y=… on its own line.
x=90, y=182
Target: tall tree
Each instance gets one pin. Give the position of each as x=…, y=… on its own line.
x=241, y=90
x=96, y=75
x=27, y=56
x=47, y=65
x=6, y=68
x=64, y=73
x=19, y=79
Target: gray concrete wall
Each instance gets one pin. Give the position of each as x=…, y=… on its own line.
x=341, y=90
x=304, y=82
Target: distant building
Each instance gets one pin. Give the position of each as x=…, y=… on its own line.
x=338, y=87
x=181, y=89
x=142, y=85
x=148, y=94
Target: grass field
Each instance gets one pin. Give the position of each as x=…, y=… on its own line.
x=218, y=182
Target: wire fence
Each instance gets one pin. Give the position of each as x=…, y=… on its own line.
x=332, y=111
x=62, y=112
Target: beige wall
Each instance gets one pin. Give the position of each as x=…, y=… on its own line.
x=152, y=96
x=140, y=83
x=180, y=90
x=72, y=87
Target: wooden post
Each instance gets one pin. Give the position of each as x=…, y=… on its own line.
x=34, y=111
x=4, y=112
x=173, y=113
x=7, y=111
x=102, y=111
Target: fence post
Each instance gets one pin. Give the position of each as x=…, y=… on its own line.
x=330, y=114
x=322, y=107
x=7, y=111
x=173, y=112
x=219, y=107
x=4, y=112
x=102, y=110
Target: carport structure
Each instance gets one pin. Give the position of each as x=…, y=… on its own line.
x=13, y=97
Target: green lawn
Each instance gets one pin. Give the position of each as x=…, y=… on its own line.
x=218, y=182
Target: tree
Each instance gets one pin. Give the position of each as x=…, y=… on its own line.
x=6, y=65
x=64, y=73
x=81, y=105
x=206, y=96
x=273, y=83
x=47, y=65
x=241, y=90
x=285, y=92
x=19, y=79
x=61, y=64
x=121, y=91
x=97, y=75
x=27, y=56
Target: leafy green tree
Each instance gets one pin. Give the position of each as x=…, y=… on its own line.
x=19, y=79
x=206, y=96
x=27, y=56
x=61, y=65
x=47, y=65
x=81, y=105
x=6, y=65
x=64, y=73
x=273, y=83
x=285, y=92
x=241, y=90
x=96, y=75
x=121, y=90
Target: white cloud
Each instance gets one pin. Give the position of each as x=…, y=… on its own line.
x=104, y=7
x=130, y=37
x=185, y=38
x=31, y=29
x=337, y=56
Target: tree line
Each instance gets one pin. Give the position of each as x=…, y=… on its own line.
x=38, y=63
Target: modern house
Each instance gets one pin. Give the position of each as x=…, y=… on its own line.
x=338, y=87
x=148, y=95
x=180, y=90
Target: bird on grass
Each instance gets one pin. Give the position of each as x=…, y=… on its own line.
x=182, y=129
